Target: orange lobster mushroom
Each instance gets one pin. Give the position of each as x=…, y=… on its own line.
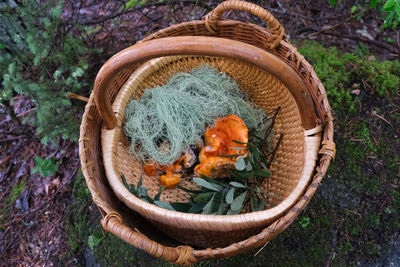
x=173, y=172
x=219, y=140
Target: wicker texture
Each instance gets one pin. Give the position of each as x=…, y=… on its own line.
x=133, y=228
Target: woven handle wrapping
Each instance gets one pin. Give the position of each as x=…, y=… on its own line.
x=276, y=28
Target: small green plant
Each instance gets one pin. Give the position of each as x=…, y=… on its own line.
x=95, y=239
x=388, y=9
x=141, y=192
x=304, y=222
x=41, y=59
x=46, y=167
x=392, y=9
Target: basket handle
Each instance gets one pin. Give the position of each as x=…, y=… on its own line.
x=276, y=29
x=182, y=255
x=203, y=46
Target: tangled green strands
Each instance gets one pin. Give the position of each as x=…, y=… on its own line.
x=168, y=119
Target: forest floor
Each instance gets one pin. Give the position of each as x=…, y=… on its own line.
x=353, y=219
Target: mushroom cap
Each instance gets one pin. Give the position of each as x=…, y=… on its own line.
x=220, y=140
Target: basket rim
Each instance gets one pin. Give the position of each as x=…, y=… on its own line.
x=208, y=46
x=230, y=222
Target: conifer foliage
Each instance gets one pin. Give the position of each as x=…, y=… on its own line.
x=41, y=59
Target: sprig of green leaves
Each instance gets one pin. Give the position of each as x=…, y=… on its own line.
x=243, y=190
x=141, y=192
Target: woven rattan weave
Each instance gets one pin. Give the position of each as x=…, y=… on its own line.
x=305, y=120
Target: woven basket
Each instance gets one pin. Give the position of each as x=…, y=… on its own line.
x=273, y=73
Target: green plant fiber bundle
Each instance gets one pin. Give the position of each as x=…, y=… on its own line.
x=170, y=118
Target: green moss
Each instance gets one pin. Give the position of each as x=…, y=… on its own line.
x=77, y=216
x=10, y=200
x=373, y=220
x=85, y=232
x=16, y=191
x=343, y=72
x=364, y=134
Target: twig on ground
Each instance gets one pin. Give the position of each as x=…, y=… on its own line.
x=332, y=252
x=365, y=40
x=164, y=3
x=337, y=24
x=4, y=161
x=78, y=97
x=26, y=112
x=11, y=139
x=382, y=118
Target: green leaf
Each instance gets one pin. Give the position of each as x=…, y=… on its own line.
x=389, y=40
x=389, y=5
x=196, y=208
x=191, y=192
x=39, y=161
x=237, y=203
x=238, y=185
x=373, y=3
x=263, y=173
x=254, y=151
x=397, y=8
x=147, y=199
x=332, y=2
x=203, y=183
x=142, y=190
x=229, y=156
x=234, y=174
x=249, y=168
x=46, y=167
x=164, y=205
x=181, y=207
x=203, y=197
x=212, y=181
x=229, y=196
x=240, y=164
x=48, y=172
x=157, y=197
x=263, y=165
x=396, y=22
x=133, y=190
x=353, y=8
x=124, y=181
x=208, y=207
x=140, y=181
x=130, y=4
x=238, y=142
x=222, y=206
x=34, y=170
x=244, y=174
x=388, y=19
